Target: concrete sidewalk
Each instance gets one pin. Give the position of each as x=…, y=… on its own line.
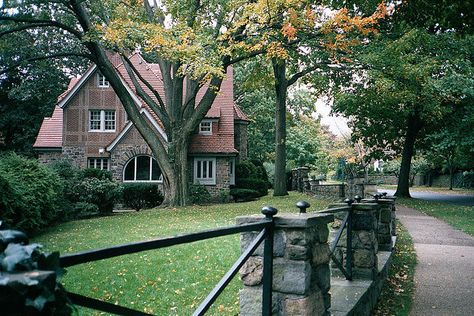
x=444, y=276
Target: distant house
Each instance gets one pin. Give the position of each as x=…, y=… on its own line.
x=90, y=128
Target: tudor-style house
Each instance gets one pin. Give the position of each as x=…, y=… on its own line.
x=89, y=127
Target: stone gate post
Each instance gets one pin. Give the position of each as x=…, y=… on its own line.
x=301, y=274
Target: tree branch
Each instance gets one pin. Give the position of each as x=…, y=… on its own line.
x=32, y=59
x=39, y=23
x=159, y=110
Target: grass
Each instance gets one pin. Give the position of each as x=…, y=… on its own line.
x=397, y=292
x=460, y=217
x=441, y=190
x=169, y=281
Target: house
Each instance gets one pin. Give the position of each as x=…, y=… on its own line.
x=89, y=127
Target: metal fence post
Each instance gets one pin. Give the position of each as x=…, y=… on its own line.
x=269, y=212
x=349, y=238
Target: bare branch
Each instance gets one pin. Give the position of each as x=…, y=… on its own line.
x=40, y=23
x=52, y=56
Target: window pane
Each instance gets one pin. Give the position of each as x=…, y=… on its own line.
x=143, y=168
x=94, y=120
x=155, y=170
x=198, y=175
x=109, y=120
x=204, y=169
x=210, y=169
x=130, y=171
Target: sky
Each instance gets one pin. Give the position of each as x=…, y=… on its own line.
x=337, y=124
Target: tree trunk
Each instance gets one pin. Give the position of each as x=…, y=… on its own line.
x=408, y=149
x=281, y=85
x=451, y=178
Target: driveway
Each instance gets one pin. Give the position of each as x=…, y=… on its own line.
x=467, y=200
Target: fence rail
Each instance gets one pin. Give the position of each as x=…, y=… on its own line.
x=347, y=225
x=266, y=228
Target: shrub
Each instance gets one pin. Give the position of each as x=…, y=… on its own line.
x=30, y=193
x=141, y=195
x=261, y=172
x=261, y=186
x=199, y=194
x=95, y=173
x=85, y=210
x=245, y=169
x=103, y=193
x=243, y=195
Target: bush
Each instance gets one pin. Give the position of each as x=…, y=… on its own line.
x=95, y=173
x=103, y=193
x=245, y=169
x=141, y=195
x=243, y=195
x=30, y=193
x=199, y=194
x=261, y=171
x=261, y=186
x=85, y=210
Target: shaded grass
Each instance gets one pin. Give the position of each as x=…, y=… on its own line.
x=397, y=293
x=168, y=281
x=460, y=217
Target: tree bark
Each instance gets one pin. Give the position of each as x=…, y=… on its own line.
x=413, y=127
x=281, y=86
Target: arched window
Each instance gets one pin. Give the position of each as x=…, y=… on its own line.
x=142, y=169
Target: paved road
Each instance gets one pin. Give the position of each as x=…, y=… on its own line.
x=467, y=200
x=444, y=275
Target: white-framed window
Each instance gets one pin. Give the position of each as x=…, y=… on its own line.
x=102, y=120
x=205, y=171
x=142, y=169
x=205, y=128
x=98, y=163
x=102, y=82
x=232, y=171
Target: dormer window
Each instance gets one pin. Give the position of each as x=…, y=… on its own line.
x=102, y=82
x=205, y=128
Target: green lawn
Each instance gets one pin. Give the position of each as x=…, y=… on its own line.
x=461, y=217
x=169, y=281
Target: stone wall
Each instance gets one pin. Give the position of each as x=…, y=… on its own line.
x=76, y=155
x=49, y=156
x=301, y=277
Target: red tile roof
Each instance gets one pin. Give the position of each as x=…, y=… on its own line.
x=222, y=109
x=51, y=132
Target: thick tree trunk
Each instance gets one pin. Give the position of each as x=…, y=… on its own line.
x=408, y=149
x=281, y=86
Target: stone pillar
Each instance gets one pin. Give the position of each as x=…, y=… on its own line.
x=364, y=241
x=303, y=173
x=301, y=274
x=294, y=179
x=387, y=226
x=306, y=185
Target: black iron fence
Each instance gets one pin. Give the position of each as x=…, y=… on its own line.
x=345, y=224
x=266, y=228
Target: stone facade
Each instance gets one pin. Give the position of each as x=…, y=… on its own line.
x=76, y=155
x=48, y=157
x=301, y=278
